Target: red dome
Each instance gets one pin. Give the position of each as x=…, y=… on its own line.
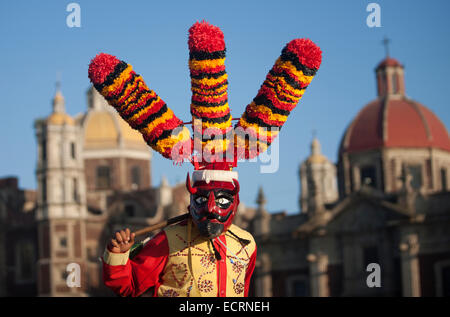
x=396, y=123
x=388, y=61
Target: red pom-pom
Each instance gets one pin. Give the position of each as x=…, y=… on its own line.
x=205, y=37
x=309, y=54
x=101, y=66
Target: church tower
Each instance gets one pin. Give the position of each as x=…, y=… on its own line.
x=390, y=76
x=261, y=230
x=116, y=157
x=61, y=203
x=318, y=181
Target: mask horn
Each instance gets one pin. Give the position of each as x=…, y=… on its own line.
x=236, y=186
x=190, y=189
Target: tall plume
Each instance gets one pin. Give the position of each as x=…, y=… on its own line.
x=209, y=83
x=140, y=106
x=279, y=94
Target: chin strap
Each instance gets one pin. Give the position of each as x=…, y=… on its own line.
x=241, y=240
x=231, y=252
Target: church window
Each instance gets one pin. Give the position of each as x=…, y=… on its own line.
x=444, y=179
x=136, y=176
x=44, y=150
x=395, y=83
x=129, y=210
x=63, y=242
x=44, y=190
x=25, y=261
x=103, y=177
x=416, y=176
x=370, y=255
x=299, y=288
x=72, y=150
x=381, y=85
x=75, y=189
x=64, y=275
x=368, y=176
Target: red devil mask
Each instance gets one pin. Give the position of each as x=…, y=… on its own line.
x=214, y=200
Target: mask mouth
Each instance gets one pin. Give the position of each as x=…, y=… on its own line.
x=211, y=216
x=210, y=229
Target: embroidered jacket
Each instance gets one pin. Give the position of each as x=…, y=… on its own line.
x=180, y=262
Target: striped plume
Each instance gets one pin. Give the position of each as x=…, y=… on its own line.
x=209, y=83
x=140, y=106
x=278, y=96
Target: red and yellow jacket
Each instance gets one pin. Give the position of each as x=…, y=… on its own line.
x=178, y=261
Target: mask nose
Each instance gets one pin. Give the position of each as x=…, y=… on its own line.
x=212, y=202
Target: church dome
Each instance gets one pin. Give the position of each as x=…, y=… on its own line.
x=395, y=123
x=389, y=61
x=393, y=119
x=101, y=131
x=131, y=136
x=60, y=119
x=105, y=129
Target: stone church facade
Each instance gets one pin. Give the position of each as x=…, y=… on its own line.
x=386, y=201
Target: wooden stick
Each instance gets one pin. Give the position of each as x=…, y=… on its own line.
x=161, y=225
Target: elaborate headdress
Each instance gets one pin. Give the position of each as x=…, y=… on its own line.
x=216, y=145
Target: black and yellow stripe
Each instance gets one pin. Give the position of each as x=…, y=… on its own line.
x=141, y=107
x=282, y=89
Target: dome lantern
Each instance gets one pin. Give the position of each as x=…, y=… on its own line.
x=58, y=100
x=59, y=116
x=390, y=78
x=390, y=75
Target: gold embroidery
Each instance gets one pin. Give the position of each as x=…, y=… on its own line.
x=170, y=293
x=177, y=278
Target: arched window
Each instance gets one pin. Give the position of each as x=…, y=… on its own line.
x=368, y=176
x=75, y=189
x=370, y=255
x=25, y=262
x=136, y=177
x=444, y=179
x=44, y=150
x=44, y=190
x=103, y=180
x=416, y=175
x=381, y=84
x=130, y=210
x=395, y=83
x=299, y=288
x=73, y=152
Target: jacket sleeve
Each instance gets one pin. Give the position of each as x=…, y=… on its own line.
x=133, y=277
x=249, y=272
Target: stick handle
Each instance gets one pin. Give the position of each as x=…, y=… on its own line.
x=161, y=224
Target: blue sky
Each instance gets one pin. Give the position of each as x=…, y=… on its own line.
x=36, y=44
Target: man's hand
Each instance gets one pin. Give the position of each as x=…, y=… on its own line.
x=123, y=240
